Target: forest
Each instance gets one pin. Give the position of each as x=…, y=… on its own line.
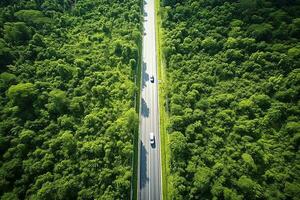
x=233, y=98
x=67, y=95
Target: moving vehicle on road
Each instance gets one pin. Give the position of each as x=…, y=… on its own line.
x=152, y=79
x=152, y=140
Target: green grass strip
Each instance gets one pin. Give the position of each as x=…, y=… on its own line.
x=165, y=158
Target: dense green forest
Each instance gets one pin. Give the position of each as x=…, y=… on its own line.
x=233, y=75
x=67, y=98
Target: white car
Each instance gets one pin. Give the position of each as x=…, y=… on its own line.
x=152, y=140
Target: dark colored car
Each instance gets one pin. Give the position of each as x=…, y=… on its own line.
x=152, y=79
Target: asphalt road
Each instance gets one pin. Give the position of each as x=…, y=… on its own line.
x=149, y=162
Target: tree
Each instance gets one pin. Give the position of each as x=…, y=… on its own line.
x=37, y=40
x=170, y=2
x=178, y=186
x=233, y=94
x=6, y=56
x=178, y=145
x=294, y=53
x=27, y=137
x=246, y=107
x=247, y=5
x=202, y=180
x=22, y=94
x=247, y=158
x=262, y=100
x=209, y=44
x=132, y=120
x=32, y=17
x=249, y=188
x=6, y=80
x=47, y=191
x=261, y=31
x=231, y=195
x=66, y=143
x=9, y=196
x=295, y=28
x=292, y=190
x=16, y=33
x=76, y=105
x=67, y=118
x=57, y=101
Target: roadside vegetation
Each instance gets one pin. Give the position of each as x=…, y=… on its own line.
x=233, y=74
x=163, y=107
x=67, y=113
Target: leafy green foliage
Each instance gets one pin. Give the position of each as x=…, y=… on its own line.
x=16, y=32
x=6, y=56
x=233, y=98
x=22, y=94
x=32, y=17
x=66, y=98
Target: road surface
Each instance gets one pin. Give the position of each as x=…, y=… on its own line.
x=149, y=162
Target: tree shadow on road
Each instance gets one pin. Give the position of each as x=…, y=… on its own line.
x=145, y=76
x=143, y=162
x=145, y=109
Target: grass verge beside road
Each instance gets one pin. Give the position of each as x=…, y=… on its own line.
x=165, y=159
x=136, y=133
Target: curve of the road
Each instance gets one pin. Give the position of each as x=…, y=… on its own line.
x=149, y=178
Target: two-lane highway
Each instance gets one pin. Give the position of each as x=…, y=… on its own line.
x=149, y=162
